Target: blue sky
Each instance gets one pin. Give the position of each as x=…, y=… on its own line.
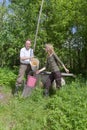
x=7, y=1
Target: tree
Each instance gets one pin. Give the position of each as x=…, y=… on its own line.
x=57, y=20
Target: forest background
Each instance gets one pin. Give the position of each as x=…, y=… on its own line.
x=62, y=23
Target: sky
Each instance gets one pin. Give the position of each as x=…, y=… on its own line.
x=7, y=1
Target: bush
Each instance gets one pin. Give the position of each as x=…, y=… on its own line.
x=64, y=110
x=8, y=77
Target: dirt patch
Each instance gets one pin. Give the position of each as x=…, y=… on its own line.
x=4, y=96
x=1, y=96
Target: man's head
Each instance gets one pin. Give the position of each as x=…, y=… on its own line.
x=28, y=44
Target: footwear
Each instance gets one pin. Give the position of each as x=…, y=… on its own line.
x=46, y=93
x=16, y=91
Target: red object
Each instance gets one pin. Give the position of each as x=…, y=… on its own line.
x=31, y=81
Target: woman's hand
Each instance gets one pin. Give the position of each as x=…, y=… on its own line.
x=37, y=72
x=67, y=71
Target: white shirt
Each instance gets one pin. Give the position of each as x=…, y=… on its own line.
x=26, y=53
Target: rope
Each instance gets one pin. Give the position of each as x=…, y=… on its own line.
x=38, y=24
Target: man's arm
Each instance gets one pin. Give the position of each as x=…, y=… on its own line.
x=25, y=58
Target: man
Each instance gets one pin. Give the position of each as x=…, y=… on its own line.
x=26, y=54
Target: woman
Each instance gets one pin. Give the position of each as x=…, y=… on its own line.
x=53, y=63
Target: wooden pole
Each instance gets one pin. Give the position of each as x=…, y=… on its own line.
x=38, y=24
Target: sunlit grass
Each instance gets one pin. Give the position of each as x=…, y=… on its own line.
x=65, y=110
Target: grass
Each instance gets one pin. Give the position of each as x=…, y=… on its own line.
x=65, y=110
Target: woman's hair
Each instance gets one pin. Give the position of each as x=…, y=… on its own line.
x=50, y=48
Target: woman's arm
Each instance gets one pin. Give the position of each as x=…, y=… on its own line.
x=65, y=68
x=60, y=62
x=38, y=71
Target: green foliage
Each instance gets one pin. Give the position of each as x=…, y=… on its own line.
x=7, y=77
x=65, y=110
x=18, y=22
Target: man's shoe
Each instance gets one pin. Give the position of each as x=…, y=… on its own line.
x=16, y=91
